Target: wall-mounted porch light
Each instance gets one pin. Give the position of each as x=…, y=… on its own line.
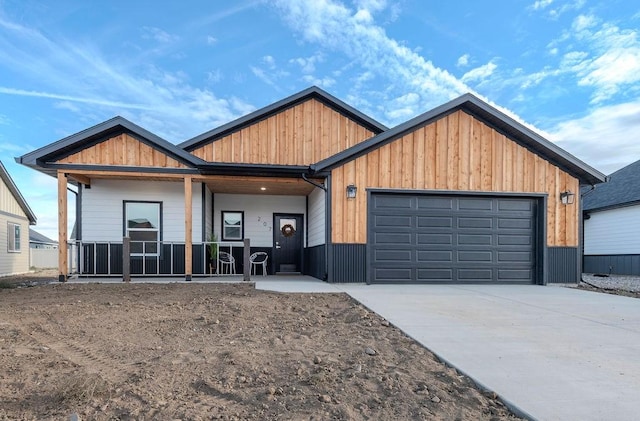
x=351, y=191
x=567, y=197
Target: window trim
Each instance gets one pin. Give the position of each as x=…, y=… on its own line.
x=222, y=225
x=125, y=229
x=11, y=232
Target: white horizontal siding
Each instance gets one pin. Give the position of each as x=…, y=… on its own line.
x=258, y=213
x=102, y=208
x=208, y=213
x=13, y=262
x=615, y=231
x=317, y=217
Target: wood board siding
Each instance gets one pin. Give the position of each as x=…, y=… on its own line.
x=301, y=135
x=124, y=150
x=8, y=202
x=456, y=152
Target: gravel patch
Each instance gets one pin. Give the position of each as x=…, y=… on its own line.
x=613, y=282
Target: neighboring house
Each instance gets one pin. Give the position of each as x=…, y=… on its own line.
x=40, y=241
x=15, y=218
x=462, y=193
x=612, y=224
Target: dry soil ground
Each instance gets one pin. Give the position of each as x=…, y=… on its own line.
x=214, y=351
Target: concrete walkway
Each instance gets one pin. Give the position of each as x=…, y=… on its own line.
x=553, y=353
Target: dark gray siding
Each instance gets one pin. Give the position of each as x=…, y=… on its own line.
x=563, y=265
x=427, y=238
x=349, y=263
x=618, y=264
x=315, y=261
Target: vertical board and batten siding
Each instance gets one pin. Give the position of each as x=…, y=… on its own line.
x=122, y=150
x=102, y=209
x=300, y=135
x=317, y=218
x=10, y=211
x=456, y=152
x=258, y=213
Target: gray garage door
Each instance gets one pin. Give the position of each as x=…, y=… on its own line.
x=451, y=239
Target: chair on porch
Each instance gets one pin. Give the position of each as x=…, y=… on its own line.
x=227, y=261
x=259, y=258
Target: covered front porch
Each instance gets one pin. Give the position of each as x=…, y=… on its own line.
x=189, y=226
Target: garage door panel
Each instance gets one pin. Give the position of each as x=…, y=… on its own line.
x=515, y=223
x=514, y=239
x=393, y=274
x=393, y=202
x=393, y=221
x=475, y=256
x=440, y=275
x=433, y=239
x=453, y=239
x=392, y=238
x=479, y=203
x=440, y=203
x=485, y=275
x=394, y=255
x=434, y=256
x=475, y=239
x=434, y=222
x=515, y=204
x=480, y=223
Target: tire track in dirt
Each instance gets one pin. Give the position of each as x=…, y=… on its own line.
x=87, y=355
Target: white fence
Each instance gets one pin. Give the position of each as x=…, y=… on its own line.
x=43, y=258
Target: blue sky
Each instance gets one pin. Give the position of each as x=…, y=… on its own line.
x=569, y=68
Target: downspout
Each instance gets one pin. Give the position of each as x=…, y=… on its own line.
x=326, y=223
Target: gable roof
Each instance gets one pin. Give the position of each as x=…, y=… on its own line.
x=36, y=237
x=622, y=189
x=489, y=115
x=4, y=175
x=41, y=159
x=261, y=114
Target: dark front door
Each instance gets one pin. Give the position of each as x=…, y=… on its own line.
x=287, y=242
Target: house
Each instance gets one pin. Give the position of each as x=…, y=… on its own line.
x=462, y=193
x=611, y=224
x=40, y=241
x=15, y=218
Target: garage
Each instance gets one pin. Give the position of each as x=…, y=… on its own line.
x=431, y=238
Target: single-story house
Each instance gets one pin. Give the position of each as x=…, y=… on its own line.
x=40, y=241
x=15, y=218
x=612, y=224
x=462, y=193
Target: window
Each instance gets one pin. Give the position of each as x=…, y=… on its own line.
x=232, y=225
x=13, y=231
x=142, y=226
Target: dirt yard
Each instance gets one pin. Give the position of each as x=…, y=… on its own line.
x=214, y=351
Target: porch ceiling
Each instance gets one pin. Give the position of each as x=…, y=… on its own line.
x=255, y=185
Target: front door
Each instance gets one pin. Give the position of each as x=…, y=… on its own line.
x=288, y=233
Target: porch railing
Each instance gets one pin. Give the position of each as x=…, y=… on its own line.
x=152, y=258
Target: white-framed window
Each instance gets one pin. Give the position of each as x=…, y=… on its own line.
x=232, y=225
x=142, y=224
x=13, y=236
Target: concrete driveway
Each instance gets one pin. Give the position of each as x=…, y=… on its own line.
x=552, y=353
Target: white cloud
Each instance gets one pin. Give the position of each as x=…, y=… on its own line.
x=307, y=64
x=479, y=73
x=463, y=60
x=151, y=32
x=4, y=119
x=324, y=82
x=541, y=4
x=212, y=40
x=337, y=28
x=607, y=135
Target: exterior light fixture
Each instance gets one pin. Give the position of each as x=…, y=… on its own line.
x=567, y=197
x=263, y=188
x=351, y=191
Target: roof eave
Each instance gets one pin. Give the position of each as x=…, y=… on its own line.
x=13, y=188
